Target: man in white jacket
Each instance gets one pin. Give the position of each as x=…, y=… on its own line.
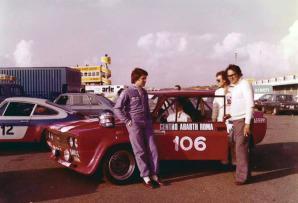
x=242, y=116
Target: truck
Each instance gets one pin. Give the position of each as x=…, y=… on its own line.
x=45, y=82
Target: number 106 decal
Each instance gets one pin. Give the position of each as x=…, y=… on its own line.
x=199, y=143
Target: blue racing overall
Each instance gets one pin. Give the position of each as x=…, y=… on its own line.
x=133, y=109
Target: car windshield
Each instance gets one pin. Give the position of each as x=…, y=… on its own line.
x=106, y=100
x=59, y=106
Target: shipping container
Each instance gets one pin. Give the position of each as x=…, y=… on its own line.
x=45, y=82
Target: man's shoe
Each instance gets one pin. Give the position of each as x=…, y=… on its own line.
x=238, y=183
x=148, y=184
x=159, y=182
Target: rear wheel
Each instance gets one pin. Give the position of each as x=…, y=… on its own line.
x=119, y=166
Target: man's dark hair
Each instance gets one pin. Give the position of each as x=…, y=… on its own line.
x=119, y=91
x=136, y=74
x=224, y=76
x=234, y=68
x=178, y=87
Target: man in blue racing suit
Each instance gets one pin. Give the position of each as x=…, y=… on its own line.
x=132, y=108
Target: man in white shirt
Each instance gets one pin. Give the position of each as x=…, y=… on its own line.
x=242, y=116
x=181, y=115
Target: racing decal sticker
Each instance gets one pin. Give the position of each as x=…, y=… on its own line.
x=135, y=98
x=186, y=126
x=9, y=132
x=259, y=120
x=74, y=153
x=199, y=143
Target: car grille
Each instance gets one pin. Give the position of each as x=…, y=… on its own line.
x=60, y=140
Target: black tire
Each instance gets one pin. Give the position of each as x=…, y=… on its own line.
x=119, y=166
x=43, y=142
x=275, y=111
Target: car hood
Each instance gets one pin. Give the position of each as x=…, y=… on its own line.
x=73, y=126
x=77, y=127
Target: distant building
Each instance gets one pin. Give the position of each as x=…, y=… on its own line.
x=280, y=85
x=95, y=75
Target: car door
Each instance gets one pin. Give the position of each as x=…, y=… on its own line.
x=81, y=103
x=199, y=139
x=96, y=106
x=15, y=120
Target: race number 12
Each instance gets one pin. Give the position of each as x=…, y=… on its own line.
x=199, y=143
x=6, y=130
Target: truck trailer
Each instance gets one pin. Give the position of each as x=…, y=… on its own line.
x=45, y=82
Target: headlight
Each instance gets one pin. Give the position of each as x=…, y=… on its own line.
x=51, y=136
x=55, y=152
x=107, y=119
x=66, y=155
x=76, y=143
x=71, y=141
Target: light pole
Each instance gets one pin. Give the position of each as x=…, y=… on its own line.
x=236, y=58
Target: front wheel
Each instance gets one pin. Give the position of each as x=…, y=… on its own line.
x=119, y=166
x=275, y=111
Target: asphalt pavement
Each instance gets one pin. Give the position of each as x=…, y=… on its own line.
x=28, y=175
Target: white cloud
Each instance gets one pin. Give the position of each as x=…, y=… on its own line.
x=164, y=41
x=289, y=46
x=102, y=3
x=146, y=41
x=23, y=53
x=228, y=45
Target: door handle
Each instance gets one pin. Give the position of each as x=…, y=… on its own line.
x=159, y=132
x=221, y=128
x=24, y=121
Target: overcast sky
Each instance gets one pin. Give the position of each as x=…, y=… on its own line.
x=177, y=41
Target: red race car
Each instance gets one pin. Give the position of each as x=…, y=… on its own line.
x=88, y=145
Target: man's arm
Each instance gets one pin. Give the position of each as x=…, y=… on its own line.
x=215, y=110
x=249, y=101
x=249, y=106
x=120, y=106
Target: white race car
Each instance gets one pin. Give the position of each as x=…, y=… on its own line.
x=24, y=119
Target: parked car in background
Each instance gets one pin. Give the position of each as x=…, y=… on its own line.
x=276, y=103
x=10, y=90
x=88, y=145
x=88, y=104
x=24, y=119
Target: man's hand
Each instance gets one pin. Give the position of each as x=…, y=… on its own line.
x=129, y=123
x=226, y=117
x=246, y=130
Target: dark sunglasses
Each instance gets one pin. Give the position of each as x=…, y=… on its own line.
x=231, y=76
x=218, y=80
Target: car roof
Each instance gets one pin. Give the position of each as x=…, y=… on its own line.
x=184, y=93
x=26, y=99
x=77, y=93
x=279, y=94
